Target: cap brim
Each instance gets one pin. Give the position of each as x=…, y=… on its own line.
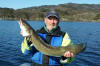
x=52, y=15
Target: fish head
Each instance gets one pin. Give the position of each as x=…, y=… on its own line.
x=25, y=28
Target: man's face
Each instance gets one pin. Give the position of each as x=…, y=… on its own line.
x=51, y=22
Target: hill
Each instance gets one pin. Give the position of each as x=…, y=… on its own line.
x=67, y=12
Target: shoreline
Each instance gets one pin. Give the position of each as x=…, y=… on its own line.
x=42, y=20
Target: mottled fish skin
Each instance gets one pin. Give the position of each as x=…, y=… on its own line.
x=45, y=48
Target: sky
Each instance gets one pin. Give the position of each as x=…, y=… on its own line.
x=18, y=4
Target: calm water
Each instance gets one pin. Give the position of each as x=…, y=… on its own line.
x=10, y=41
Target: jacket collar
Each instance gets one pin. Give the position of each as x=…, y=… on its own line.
x=56, y=32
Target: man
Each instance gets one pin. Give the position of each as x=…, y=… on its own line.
x=52, y=35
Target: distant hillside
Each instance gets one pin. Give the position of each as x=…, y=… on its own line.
x=69, y=6
x=68, y=12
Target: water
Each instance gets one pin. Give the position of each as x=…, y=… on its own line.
x=85, y=32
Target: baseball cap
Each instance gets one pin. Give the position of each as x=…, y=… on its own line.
x=52, y=13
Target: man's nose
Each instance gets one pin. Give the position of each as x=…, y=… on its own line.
x=52, y=20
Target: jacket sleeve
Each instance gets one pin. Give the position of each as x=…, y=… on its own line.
x=66, y=41
x=26, y=47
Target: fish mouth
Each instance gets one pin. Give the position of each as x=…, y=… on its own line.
x=23, y=28
x=20, y=22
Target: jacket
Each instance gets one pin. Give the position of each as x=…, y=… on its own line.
x=54, y=38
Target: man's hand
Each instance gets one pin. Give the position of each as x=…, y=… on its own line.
x=68, y=54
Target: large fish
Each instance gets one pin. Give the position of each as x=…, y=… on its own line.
x=45, y=48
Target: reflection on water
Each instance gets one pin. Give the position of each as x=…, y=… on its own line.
x=10, y=40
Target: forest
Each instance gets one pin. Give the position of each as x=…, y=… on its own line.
x=67, y=12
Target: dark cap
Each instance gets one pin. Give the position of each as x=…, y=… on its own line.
x=52, y=13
